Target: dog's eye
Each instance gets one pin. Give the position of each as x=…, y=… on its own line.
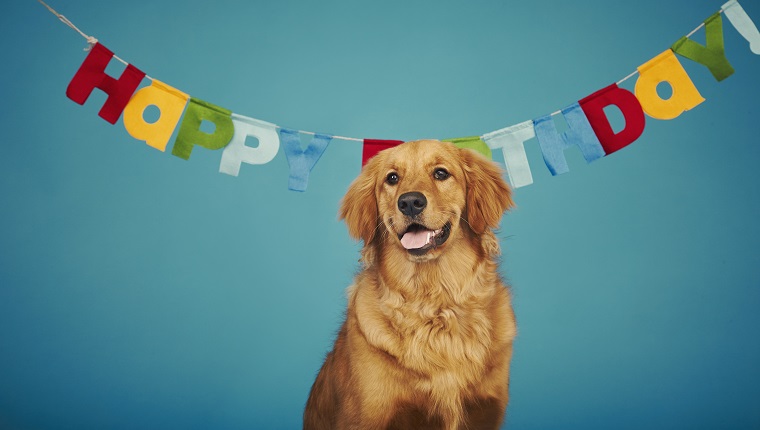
x=441, y=174
x=392, y=178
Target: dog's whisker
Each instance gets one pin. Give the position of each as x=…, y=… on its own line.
x=379, y=225
x=452, y=213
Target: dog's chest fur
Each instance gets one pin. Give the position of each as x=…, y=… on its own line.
x=435, y=339
x=433, y=328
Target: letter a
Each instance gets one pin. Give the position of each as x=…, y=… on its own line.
x=666, y=68
x=170, y=101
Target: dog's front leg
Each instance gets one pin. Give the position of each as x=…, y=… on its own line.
x=486, y=414
x=369, y=416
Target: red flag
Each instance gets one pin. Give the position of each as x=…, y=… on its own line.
x=373, y=146
x=593, y=106
x=92, y=74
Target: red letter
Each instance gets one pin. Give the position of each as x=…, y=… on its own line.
x=593, y=106
x=373, y=146
x=91, y=75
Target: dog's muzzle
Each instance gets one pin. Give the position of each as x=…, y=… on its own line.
x=418, y=239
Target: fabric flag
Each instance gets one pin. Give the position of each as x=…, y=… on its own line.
x=579, y=133
x=666, y=68
x=511, y=141
x=373, y=146
x=743, y=24
x=301, y=161
x=190, y=133
x=237, y=152
x=170, y=101
x=92, y=74
x=593, y=106
x=472, y=142
x=713, y=54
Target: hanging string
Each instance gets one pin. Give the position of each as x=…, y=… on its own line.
x=91, y=41
x=635, y=72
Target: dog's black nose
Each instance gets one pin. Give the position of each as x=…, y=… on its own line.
x=411, y=204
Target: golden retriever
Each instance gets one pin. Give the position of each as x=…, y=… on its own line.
x=427, y=338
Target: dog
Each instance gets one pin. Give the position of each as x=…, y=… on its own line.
x=429, y=326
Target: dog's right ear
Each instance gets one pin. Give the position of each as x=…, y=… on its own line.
x=359, y=206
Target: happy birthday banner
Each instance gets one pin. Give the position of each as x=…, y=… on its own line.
x=588, y=126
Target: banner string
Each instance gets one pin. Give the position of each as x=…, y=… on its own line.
x=635, y=72
x=92, y=40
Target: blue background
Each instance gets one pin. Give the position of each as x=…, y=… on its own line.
x=139, y=290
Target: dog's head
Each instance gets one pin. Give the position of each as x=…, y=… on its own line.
x=424, y=196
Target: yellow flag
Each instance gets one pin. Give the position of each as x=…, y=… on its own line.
x=170, y=101
x=666, y=68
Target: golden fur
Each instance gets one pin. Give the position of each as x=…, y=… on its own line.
x=427, y=338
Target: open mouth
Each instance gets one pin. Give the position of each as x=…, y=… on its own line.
x=418, y=239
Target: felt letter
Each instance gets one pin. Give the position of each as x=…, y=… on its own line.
x=666, y=68
x=512, y=140
x=170, y=101
x=302, y=161
x=237, y=152
x=743, y=24
x=373, y=146
x=593, y=106
x=472, y=142
x=92, y=74
x=579, y=133
x=190, y=129
x=713, y=54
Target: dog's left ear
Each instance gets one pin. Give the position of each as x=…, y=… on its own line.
x=359, y=206
x=488, y=195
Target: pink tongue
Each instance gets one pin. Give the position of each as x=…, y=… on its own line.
x=416, y=239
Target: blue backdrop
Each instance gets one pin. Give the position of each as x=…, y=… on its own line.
x=140, y=290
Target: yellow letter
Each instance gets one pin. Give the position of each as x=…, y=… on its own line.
x=170, y=101
x=666, y=68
